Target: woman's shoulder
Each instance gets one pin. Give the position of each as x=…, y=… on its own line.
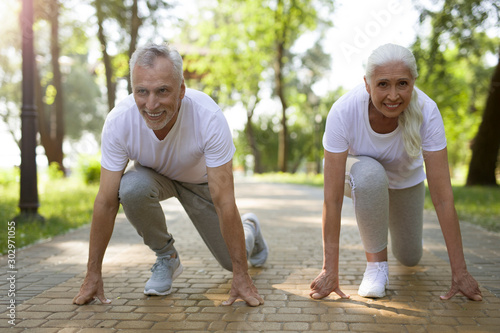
x=427, y=104
x=352, y=101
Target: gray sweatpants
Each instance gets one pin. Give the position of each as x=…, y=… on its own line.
x=379, y=209
x=142, y=189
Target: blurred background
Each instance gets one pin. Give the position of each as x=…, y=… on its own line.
x=274, y=66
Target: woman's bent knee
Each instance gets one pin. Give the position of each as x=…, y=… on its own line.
x=409, y=259
x=368, y=174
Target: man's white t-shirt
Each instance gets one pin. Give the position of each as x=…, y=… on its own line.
x=200, y=138
x=348, y=128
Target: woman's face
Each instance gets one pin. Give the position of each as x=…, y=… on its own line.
x=390, y=88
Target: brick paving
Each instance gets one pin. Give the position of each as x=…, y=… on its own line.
x=49, y=275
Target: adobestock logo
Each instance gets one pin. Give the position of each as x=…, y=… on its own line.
x=380, y=20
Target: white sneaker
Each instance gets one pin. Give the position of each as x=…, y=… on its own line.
x=375, y=279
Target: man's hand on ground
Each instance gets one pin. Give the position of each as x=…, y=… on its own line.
x=91, y=289
x=243, y=288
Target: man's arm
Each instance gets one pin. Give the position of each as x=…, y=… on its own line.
x=106, y=206
x=438, y=178
x=221, y=185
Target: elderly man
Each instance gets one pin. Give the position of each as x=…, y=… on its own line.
x=182, y=147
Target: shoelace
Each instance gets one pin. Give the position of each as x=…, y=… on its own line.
x=374, y=275
x=380, y=269
x=160, y=263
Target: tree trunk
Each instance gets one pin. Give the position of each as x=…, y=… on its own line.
x=135, y=24
x=251, y=139
x=110, y=84
x=486, y=144
x=51, y=124
x=57, y=132
x=278, y=82
x=283, y=135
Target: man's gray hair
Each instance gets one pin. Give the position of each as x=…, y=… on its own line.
x=145, y=56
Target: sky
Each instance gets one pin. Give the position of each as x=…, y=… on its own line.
x=358, y=28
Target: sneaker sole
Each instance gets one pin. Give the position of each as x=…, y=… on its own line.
x=372, y=295
x=176, y=274
x=259, y=262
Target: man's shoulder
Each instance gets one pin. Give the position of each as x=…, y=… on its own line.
x=200, y=101
x=126, y=107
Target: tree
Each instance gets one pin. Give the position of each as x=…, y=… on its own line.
x=10, y=75
x=291, y=19
x=126, y=20
x=465, y=24
x=51, y=120
x=459, y=87
x=485, y=147
x=246, y=52
x=232, y=52
x=68, y=54
x=311, y=109
x=105, y=9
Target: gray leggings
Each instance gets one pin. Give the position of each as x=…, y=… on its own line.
x=379, y=209
x=142, y=189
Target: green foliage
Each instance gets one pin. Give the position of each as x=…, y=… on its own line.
x=266, y=137
x=10, y=64
x=231, y=51
x=54, y=171
x=453, y=56
x=9, y=176
x=90, y=169
x=459, y=86
x=64, y=203
x=83, y=111
x=234, y=60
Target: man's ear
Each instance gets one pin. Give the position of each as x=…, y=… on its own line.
x=183, y=90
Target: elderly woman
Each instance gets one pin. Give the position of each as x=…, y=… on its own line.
x=377, y=138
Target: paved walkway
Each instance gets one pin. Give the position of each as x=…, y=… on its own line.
x=49, y=275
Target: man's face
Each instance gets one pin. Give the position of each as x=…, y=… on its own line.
x=157, y=93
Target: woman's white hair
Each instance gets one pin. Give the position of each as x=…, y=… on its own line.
x=410, y=120
x=145, y=57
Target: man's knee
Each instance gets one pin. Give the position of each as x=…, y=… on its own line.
x=134, y=190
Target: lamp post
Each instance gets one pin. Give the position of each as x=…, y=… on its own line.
x=28, y=202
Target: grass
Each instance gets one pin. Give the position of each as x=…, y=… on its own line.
x=477, y=205
x=64, y=203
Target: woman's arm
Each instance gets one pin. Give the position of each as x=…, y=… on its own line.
x=327, y=281
x=438, y=177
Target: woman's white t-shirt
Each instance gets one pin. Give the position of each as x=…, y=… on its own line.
x=200, y=138
x=348, y=128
